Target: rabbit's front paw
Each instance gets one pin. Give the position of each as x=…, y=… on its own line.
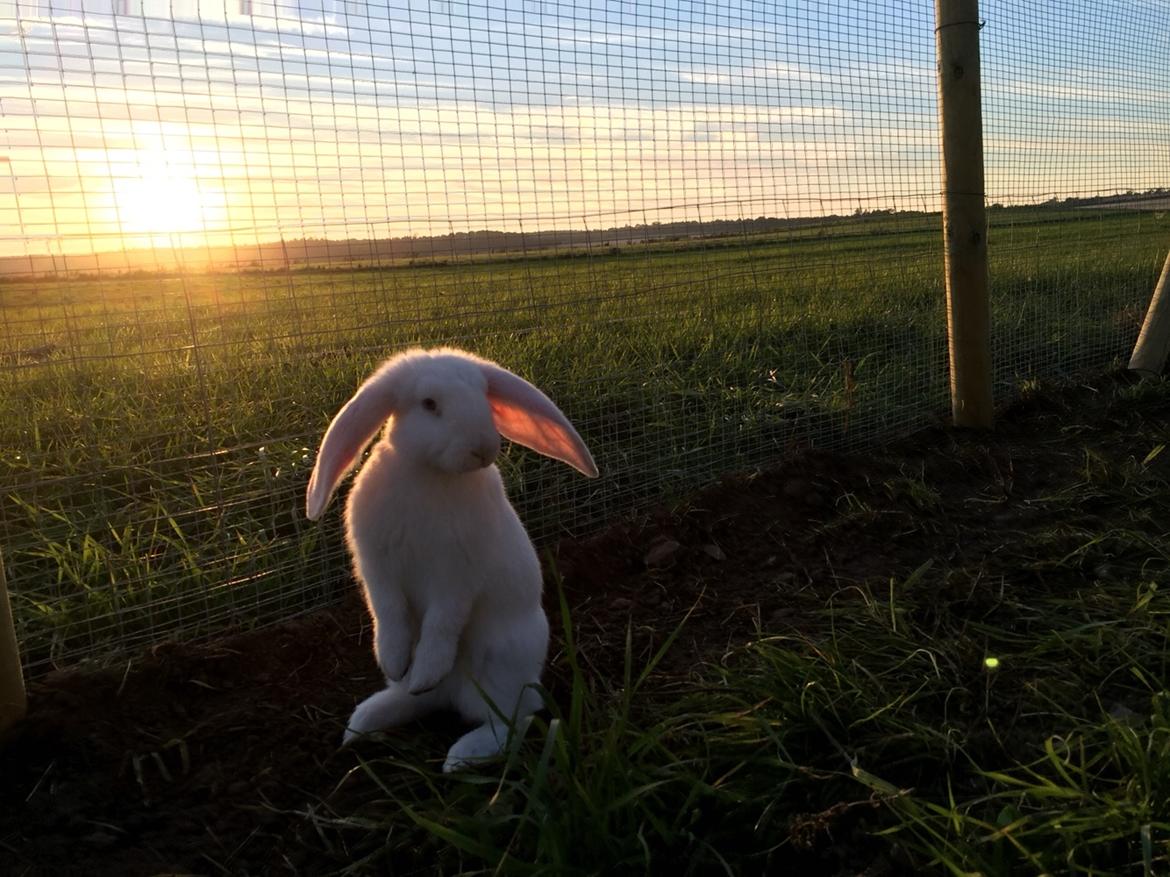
x=393, y=652
x=434, y=657
x=428, y=670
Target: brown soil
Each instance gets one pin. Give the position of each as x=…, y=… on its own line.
x=202, y=758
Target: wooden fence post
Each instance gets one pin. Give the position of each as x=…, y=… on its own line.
x=964, y=213
x=12, y=695
x=1149, y=354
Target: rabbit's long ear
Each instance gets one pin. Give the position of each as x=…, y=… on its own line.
x=525, y=415
x=349, y=433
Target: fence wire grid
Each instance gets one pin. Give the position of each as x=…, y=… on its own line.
x=710, y=231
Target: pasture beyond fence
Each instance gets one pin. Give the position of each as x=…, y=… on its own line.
x=711, y=231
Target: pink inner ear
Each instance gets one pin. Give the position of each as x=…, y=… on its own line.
x=349, y=433
x=543, y=434
x=525, y=415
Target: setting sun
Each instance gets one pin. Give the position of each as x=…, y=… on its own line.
x=165, y=202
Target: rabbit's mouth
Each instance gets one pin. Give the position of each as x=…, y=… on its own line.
x=467, y=461
x=481, y=453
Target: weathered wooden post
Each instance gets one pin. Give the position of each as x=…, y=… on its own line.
x=1149, y=354
x=12, y=695
x=964, y=213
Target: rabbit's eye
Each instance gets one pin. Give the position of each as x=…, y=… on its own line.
x=430, y=405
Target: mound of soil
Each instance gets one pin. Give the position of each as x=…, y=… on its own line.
x=203, y=758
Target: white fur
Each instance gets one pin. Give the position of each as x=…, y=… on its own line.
x=450, y=576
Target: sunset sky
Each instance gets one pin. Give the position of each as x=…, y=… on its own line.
x=191, y=123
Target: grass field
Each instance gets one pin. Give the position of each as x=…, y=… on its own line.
x=157, y=430
x=994, y=704
x=946, y=655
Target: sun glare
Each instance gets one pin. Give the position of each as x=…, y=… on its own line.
x=163, y=203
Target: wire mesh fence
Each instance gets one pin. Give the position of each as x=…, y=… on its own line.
x=1078, y=178
x=709, y=231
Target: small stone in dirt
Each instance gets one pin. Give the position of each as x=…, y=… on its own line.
x=662, y=553
x=713, y=551
x=621, y=604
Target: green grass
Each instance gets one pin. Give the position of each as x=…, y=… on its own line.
x=869, y=742
x=156, y=431
x=998, y=714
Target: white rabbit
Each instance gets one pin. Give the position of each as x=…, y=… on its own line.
x=450, y=576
